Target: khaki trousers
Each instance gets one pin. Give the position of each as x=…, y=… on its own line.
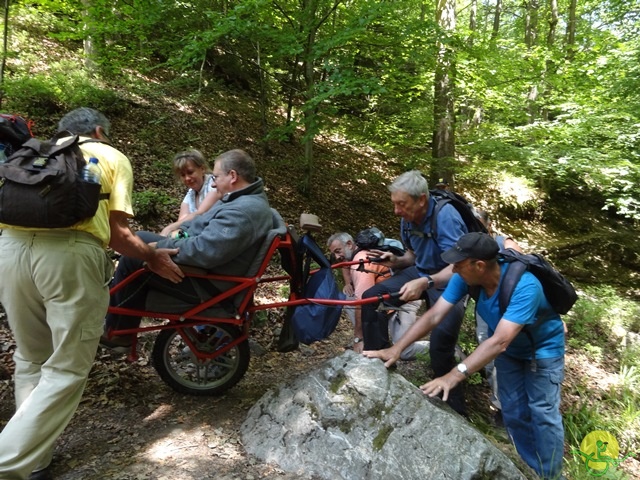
x=54, y=289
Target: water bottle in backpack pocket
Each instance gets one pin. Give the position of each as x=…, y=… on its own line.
x=91, y=171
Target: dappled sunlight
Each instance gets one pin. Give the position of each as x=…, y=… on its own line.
x=518, y=188
x=181, y=444
x=593, y=375
x=159, y=413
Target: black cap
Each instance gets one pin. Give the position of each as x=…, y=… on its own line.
x=480, y=246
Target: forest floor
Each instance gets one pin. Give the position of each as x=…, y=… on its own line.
x=130, y=425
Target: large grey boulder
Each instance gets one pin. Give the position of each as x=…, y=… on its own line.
x=353, y=419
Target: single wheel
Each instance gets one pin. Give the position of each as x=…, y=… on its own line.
x=183, y=371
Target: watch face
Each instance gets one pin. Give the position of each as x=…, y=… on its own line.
x=462, y=368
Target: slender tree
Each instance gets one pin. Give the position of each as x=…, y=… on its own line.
x=496, y=21
x=473, y=21
x=550, y=65
x=531, y=8
x=571, y=31
x=443, y=147
x=5, y=40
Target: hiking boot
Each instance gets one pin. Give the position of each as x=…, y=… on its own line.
x=117, y=343
x=497, y=420
x=44, y=474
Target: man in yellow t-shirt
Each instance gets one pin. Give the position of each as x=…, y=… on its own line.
x=56, y=293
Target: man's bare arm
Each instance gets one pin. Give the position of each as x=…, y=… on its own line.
x=124, y=241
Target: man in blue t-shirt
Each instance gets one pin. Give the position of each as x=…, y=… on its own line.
x=419, y=273
x=527, y=343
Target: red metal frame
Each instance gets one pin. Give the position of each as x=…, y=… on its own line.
x=193, y=316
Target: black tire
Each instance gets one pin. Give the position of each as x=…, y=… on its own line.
x=178, y=366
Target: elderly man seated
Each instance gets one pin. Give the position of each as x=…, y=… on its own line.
x=223, y=240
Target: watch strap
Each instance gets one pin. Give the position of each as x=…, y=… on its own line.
x=430, y=282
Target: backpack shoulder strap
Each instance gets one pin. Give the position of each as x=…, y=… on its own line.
x=94, y=140
x=440, y=202
x=55, y=147
x=512, y=275
x=309, y=246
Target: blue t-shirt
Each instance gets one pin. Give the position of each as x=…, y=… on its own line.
x=450, y=227
x=528, y=306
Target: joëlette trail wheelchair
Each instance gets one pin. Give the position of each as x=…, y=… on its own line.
x=204, y=349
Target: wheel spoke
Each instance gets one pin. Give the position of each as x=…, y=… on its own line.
x=181, y=368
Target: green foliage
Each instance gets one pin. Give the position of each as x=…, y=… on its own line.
x=596, y=324
x=150, y=205
x=370, y=76
x=599, y=318
x=382, y=436
x=260, y=319
x=63, y=88
x=467, y=339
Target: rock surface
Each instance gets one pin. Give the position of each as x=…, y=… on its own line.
x=353, y=419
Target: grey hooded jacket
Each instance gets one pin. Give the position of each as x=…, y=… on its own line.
x=226, y=238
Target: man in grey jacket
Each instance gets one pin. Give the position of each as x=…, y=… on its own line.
x=223, y=240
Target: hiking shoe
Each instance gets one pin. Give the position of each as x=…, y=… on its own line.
x=44, y=474
x=497, y=419
x=120, y=344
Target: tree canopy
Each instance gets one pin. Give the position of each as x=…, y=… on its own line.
x=547, y=90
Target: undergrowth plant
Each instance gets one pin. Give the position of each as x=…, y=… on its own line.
x=599, y=328
x=150, y=205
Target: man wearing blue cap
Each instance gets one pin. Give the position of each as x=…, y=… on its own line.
x=527, y=343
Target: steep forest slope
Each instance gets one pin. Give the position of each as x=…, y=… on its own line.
x=348, y=187
x=126, y=406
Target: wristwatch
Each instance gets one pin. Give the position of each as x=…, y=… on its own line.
x=356, y=340
x=430, y=281
x=462, y=368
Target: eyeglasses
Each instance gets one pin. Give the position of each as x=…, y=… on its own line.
x=105, y=135
x=215, y=177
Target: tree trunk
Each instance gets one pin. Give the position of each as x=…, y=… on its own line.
x=291, y=95
x=443, y=148
x=5, y=40
x=530, y=39
x=553, y=23
x=550, y=69
x=496, y=21
x=309, y=24
x=264, y=99
x=531, y=23
x=571, y=31
x=473, y=21
x=309, y=125
x=87, y=43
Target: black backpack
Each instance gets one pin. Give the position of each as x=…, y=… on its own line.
x=14, y=131
x=373, y=239
x=461, y=204
x=40, y=185
x=558, y=290
x=464, y=208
